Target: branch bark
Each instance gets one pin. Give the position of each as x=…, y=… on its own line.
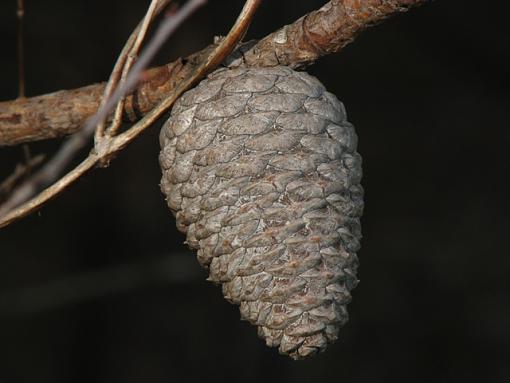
x=324, y=31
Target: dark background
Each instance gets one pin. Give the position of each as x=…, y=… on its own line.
x=98, y=287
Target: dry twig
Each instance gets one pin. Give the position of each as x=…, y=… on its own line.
x=106, y=148
x=21, y=171
x=20, y=14
x=124, y=64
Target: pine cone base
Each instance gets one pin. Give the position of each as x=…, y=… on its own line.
x=261, y=171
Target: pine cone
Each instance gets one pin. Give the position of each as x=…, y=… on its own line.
x=261, y=171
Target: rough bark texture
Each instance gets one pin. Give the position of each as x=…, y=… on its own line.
x=321, y=32
x=261, y=170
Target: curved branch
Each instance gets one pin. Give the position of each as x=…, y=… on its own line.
x=299, y=44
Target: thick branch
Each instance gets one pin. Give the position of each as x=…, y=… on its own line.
x=65, y=112
x=321, y=32
x=299, y=44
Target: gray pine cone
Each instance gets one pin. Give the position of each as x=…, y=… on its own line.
x=261, y=171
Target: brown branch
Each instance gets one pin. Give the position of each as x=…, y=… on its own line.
x=324, y=31
x=299, y=44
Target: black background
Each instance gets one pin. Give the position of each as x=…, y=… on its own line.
x=98, y=287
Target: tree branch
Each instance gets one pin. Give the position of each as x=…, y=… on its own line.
x=324, y=31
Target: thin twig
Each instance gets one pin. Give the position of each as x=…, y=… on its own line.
x=20, y=13
x=117, y=143
x=165, y=30
x=21, y=171
x=132, y=56
x=116, y=75
x=27, y=156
